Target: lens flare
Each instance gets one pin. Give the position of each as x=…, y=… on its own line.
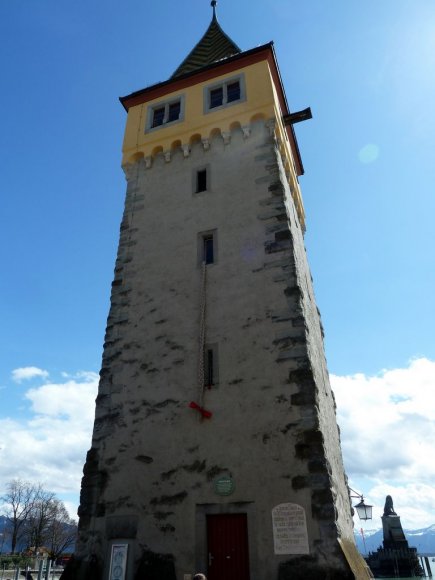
x=369, y=153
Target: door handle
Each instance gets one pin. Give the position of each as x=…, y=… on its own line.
x=210, y=559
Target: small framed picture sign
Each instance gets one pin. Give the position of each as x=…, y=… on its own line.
x=118, y=562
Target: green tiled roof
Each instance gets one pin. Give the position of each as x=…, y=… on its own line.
x=213, y=46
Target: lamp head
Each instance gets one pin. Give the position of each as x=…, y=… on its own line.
x=364, y=510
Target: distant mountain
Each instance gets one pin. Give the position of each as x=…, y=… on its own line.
x=423, y=540
x=5, y=540
x=5, y=544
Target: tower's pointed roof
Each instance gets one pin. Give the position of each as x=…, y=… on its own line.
x=213, y=46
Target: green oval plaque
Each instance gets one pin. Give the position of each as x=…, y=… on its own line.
x=224, y=486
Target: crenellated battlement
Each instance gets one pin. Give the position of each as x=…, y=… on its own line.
x=225, y=134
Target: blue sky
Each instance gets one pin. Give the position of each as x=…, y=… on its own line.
x=367, y=69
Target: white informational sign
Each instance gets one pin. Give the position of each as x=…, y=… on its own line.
x=290, y=534
x=118, y=562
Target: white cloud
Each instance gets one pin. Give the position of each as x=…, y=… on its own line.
x=50, y=445
x=27, y=373
x=64, y=400
x=413, y=502
x=387, y=425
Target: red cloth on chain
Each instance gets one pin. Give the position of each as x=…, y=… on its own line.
x=206, y=414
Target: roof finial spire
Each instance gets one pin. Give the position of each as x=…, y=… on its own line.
x=213, y=5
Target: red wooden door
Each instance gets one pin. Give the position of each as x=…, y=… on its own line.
x=227, y=540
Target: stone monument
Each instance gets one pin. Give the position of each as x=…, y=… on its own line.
x=395, y=559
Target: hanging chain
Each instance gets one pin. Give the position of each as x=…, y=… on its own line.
x=203, y=303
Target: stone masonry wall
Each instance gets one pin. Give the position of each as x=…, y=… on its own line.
x=148, y=479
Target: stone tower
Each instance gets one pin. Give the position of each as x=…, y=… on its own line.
x=215, y=445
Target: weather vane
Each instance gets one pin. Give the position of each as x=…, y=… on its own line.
x=213, y=5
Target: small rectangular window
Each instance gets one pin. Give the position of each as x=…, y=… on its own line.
x=161, y=114
x=174, y=111
x=216, y=97
x=233, y=92
x=158, y=116
x=201, y=180
x=208, y=249
x=229, y=92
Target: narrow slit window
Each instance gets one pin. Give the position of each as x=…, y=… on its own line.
x=209, y=377
x=208, y=249
x=211, y=366
x=201, y=180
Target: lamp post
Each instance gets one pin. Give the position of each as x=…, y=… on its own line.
x=363, y=510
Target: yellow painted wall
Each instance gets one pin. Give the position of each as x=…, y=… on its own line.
x=259, y=100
